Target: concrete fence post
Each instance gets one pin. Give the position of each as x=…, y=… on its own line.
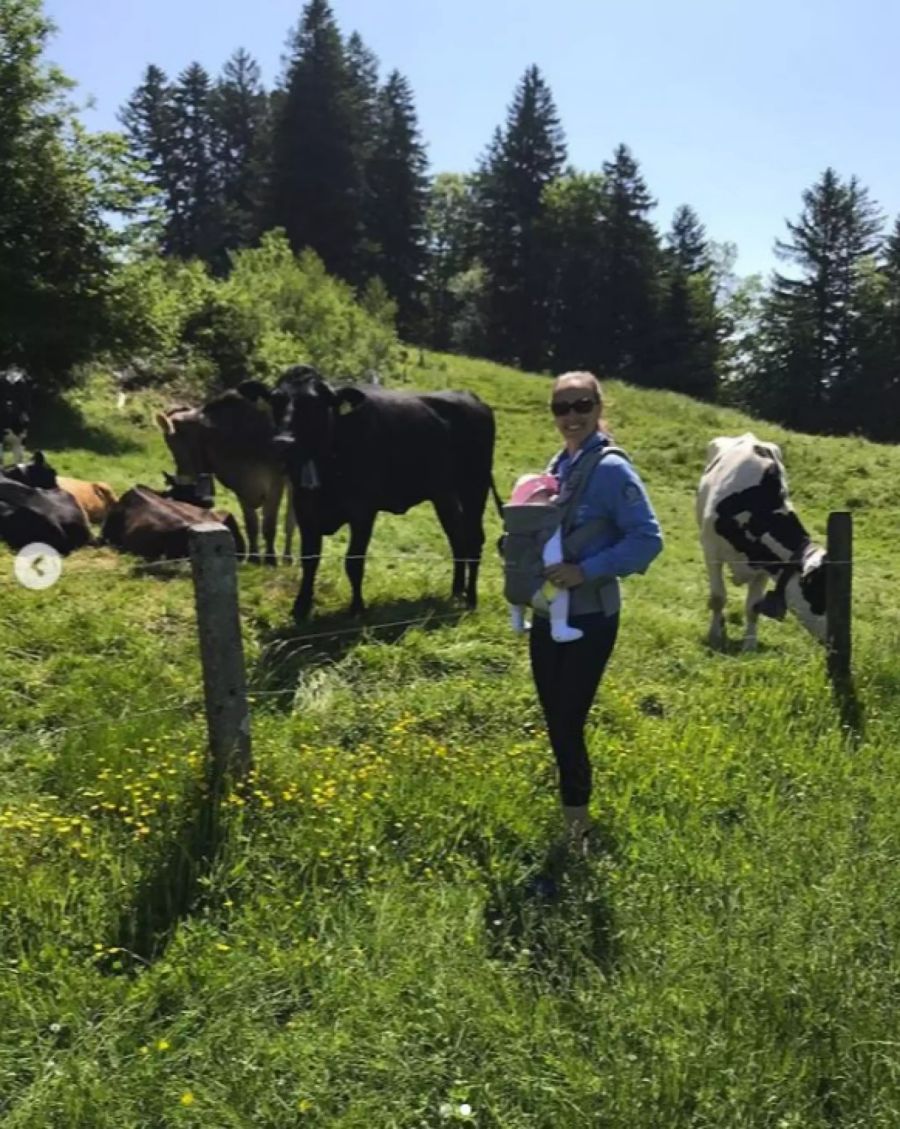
x=213, y=564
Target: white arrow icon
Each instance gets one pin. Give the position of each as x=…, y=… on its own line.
x=37, y=566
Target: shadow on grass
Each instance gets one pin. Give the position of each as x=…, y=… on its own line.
x=289, y=652
x=849, y=707
x=60, y=426
x=172, y=890
x=559, y=917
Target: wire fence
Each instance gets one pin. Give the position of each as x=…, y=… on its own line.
x=269, y=666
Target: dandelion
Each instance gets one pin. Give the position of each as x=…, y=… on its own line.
x=222, y=947
x=162, y=1044
x=304, y=1105
x=187, y=1098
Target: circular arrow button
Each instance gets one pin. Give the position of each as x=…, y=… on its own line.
x=38, y=566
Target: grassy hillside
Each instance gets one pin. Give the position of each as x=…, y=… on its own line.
x=363, y=952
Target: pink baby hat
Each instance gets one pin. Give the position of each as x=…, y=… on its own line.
x=530, y=484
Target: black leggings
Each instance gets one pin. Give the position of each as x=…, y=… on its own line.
x=567, y=676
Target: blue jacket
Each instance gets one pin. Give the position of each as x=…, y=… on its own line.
x=629, y=538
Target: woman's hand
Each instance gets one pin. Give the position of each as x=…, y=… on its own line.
x=564, y=575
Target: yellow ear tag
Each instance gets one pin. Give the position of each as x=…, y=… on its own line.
x=345, y=408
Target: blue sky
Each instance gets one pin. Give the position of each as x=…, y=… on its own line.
x=732, y=107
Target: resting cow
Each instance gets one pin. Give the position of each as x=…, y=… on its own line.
x=31, y=513
x=95, y=498
x=747, y=521
x=15, y=408
x=353, y=451
x=152, y=526
x=232, y=440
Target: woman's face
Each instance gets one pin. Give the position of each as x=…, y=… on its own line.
x=583, y=414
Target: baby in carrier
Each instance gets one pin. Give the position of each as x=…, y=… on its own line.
x=533, y=541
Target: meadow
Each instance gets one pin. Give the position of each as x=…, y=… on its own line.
x=365, y=951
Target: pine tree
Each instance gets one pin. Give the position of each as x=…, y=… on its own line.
x=362, y=75
x=573, y=225
x=317, y=173
x=687, y=351
x=397, y=198
x=812, y=319
x=450, y=246
x=240, y=110
x=630, y=265
x=148, y=118
x=686, y=241
x=521, y=160
x=198, y=198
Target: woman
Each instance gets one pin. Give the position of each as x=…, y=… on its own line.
x=609, y=531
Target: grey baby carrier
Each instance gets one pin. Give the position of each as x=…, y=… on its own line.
x=527, y=529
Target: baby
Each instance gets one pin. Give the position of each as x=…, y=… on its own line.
x=533, y=542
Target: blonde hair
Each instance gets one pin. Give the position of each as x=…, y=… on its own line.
x=585, y=379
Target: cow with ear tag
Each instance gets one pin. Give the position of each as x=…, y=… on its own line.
x=353, y=451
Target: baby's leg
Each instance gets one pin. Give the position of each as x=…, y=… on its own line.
x=559, y=619
x=558, y=598
x=517, y=618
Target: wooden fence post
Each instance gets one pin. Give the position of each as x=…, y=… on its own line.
x=213, y=564
x=838, y=593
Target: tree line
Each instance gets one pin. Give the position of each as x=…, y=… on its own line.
x=525, y=259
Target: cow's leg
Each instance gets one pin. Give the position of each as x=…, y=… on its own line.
x=290, y=522
x=310, y=554
x=473, y=522
x=18, y=449
x=355, y=561
x=251, y=522
x=755, y=590
x=716, y=637
x=450, y=516
x=271, y=502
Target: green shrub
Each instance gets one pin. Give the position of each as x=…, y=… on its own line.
x=273, y=310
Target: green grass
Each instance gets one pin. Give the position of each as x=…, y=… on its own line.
x=362, y=951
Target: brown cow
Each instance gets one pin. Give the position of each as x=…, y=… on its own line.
x=232, y=439
x=95, y=498
x=152, y=526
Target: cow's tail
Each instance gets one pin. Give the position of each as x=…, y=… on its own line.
x=498, y=501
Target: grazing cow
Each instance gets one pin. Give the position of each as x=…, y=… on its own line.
x=150, y=525
x=95, y=498
x=232, y=440
x=31, y=513
x=353, y=451
x=747, y=521
x=15, y=409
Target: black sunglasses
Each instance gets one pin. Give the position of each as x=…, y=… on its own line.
x=582, y=406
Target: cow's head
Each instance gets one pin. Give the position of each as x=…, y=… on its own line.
x=197, y=492
x=38, y=473
x=184, y=432
x=800, y=589
x=305, y=409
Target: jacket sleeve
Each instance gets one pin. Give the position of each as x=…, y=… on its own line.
x=616, y=492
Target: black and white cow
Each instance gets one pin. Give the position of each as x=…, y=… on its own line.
x=15, y=409
x=747, y=521
x=355, y=450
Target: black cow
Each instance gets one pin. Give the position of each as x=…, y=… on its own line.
x=353, y=451
x=33, y=509
x=15, y=410
x=154, y=526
